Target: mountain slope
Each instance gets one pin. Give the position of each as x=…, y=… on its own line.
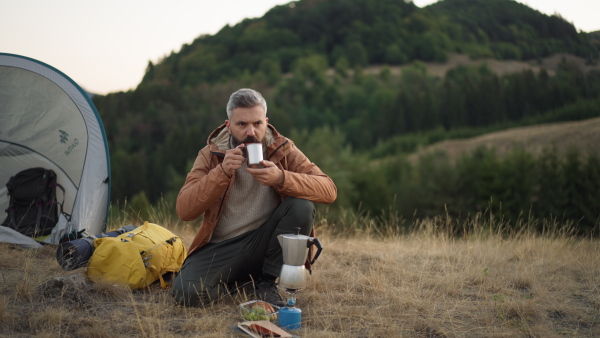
x=583, y=135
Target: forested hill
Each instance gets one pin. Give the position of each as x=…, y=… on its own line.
x=309, y=57
x=364, y=32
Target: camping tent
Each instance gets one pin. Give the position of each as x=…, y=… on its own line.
x=47, y=120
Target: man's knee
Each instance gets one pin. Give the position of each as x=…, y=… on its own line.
x=299, y=213
x=188, y=291
x=302, y=208
x=189, y=294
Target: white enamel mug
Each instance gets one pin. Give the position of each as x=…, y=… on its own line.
x=255, y=153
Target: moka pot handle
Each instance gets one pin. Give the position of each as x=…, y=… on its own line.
x=317, y=243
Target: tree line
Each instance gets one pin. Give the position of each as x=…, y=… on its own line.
x=359, y=124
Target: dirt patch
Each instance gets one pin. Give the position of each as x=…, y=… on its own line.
x=70, y=289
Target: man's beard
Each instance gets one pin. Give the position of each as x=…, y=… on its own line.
x=249, y=139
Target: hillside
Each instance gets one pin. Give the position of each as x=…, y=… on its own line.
x=359, y=33
x=500, y=67
x=583, y=135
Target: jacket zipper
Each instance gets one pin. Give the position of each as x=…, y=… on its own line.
x=219, y=154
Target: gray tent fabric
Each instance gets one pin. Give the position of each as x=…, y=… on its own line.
x=8, y=235
x=63, y=228
x=47, y=120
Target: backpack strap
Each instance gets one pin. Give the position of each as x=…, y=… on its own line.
x=48, y=175
x=11, y=204
x=38, y=219
x=11, y=216
x=48, y=199
x=157, y=273
x=53, y=185
x=63, y=201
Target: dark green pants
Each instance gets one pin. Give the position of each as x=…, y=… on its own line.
x=218, y=268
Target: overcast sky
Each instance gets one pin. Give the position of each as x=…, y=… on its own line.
x=105, y=46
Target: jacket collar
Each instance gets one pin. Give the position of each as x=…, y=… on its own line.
x=219, y=140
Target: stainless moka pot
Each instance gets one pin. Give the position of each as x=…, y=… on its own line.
x=294, y=247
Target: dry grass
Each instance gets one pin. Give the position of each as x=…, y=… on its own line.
x=424, y=283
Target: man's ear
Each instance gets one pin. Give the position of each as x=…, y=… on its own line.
x=228, y=126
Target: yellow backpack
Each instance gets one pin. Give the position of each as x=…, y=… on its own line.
x=137, y=258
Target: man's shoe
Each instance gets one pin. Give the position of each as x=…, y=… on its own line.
x=268, y=292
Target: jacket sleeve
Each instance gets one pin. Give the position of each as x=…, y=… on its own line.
x=203, y=187
x=303, y=179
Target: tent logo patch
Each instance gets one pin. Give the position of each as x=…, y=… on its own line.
x=64, y=138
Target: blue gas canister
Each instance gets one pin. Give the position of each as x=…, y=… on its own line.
x=290, y=317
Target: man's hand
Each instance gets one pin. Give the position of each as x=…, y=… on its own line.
x=233, y=160
x=270, y=175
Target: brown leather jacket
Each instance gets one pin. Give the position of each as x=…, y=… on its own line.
x=206, y=187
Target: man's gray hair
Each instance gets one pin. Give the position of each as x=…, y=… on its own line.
x=245, y=98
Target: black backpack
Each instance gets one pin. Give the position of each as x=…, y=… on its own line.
x=32, y=209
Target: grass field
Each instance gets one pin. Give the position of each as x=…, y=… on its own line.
x=369, y=282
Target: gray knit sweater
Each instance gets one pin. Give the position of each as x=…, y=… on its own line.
x=250, y=205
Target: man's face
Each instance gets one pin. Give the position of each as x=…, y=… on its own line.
x=247, y=125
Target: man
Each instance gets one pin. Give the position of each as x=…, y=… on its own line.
x=245, y=208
